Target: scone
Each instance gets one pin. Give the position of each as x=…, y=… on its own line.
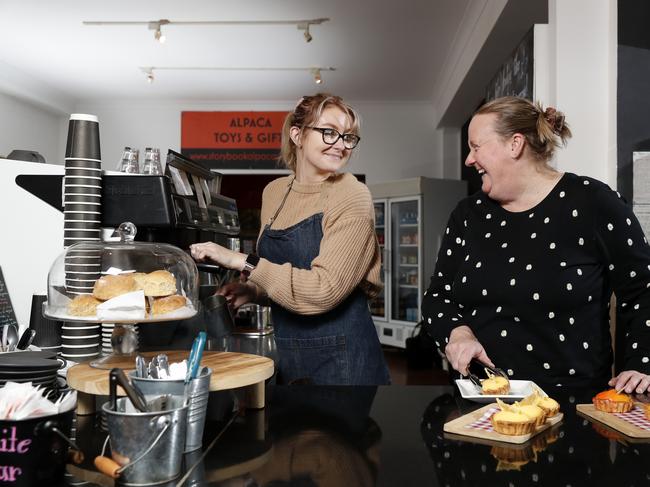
x=109, y=287
x=495, y=385
x=159, y=283
x=83, y=305
x=140, y=278
x=167, y=304
x=512, y=423
x=611, y=401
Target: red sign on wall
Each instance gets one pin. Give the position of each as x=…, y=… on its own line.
x=232, y=140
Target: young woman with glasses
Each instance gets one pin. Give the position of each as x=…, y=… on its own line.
x=318, y=258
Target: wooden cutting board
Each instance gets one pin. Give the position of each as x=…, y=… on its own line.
x=458, y=426
x=230, y=370
x=612, y=421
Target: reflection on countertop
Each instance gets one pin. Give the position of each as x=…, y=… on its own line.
x=393, y=435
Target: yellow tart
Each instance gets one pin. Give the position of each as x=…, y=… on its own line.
x=533, y=412
x=550, y=406
x=611, y=401
x=512, y=423
x=495, y=385
x=537, y=398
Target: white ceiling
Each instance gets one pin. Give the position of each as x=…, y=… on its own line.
x=383, y=50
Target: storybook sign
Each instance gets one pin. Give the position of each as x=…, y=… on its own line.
x=232, y=140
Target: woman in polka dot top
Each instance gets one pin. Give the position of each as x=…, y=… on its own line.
x=527, y=266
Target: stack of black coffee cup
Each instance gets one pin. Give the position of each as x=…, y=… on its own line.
x=82, y=223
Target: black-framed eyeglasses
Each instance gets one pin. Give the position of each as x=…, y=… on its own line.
x=332, y=136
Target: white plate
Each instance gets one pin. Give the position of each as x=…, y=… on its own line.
x=518, y=390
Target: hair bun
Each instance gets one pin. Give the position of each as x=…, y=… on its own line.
x=555, y=119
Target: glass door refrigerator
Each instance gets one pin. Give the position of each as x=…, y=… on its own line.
x=382, y=225
x=410, y=219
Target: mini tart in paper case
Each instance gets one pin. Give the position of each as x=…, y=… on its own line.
x=646, y=410
x=512, y=423
x=535, y=413
x=611, y=401
x=537, y=398
x=109, y=287
x=158, y=283
x=495, y=385
x=550, y=406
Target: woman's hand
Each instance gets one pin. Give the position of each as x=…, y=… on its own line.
x=218, y=254
x=463, y=347
x=631, y=381
x=238, y=294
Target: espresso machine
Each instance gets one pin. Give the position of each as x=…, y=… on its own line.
x=181, y=207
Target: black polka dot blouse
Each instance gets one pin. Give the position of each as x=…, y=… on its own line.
x=535, y=286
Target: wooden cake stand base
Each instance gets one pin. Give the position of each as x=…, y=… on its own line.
x=230, y=370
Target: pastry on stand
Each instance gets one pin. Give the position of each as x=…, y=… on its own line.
x=139, y=282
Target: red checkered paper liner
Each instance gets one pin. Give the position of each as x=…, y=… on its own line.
x=483, y=423
x=635, y=417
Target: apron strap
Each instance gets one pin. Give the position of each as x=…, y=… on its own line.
x=321, y=200
x=284, y=199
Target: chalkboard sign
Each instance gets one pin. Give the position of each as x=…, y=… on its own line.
x=7, y=316
x=515, y=76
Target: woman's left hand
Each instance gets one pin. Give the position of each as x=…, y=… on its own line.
x=631, y=381
x=218, y=254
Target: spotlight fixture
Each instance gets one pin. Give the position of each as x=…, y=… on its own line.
x=149, y=73
x=156, y=25
x=315, y=71
x=305, y=26
x=317, y=77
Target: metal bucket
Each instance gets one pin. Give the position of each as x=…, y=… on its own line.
x=198, y=392
x=147, y=446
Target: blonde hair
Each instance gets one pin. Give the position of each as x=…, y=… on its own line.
x=307, y=112
x=545, y=129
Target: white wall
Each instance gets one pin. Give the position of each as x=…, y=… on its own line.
x=399, y=140
x=27, y=126
x=577, y=74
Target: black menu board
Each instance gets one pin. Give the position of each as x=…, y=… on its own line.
x=7, y=316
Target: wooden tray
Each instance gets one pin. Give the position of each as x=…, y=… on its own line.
x=612, y=421
x=458, y=427
x=229, y=370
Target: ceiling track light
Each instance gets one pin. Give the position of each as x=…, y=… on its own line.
x=315, y=71
x=156, y=25
x=317, y=77
x=306, y=34
x=149, y=73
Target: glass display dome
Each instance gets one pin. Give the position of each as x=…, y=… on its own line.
x=124, y=282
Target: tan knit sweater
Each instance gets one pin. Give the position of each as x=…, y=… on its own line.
x=349, y=253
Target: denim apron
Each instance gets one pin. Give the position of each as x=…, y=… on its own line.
x=337, y=347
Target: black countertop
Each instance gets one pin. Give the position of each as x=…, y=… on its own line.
x=391, y=436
